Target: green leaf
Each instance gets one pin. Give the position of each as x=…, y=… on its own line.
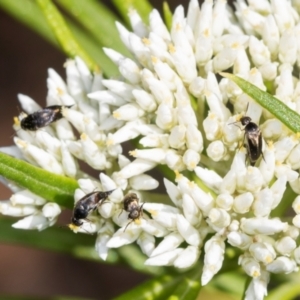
x=189, y=287
x=168, y=16
x=154, y=289
x=28, y=13
x=287, y=116
x=63, y=33
x=55, y=188
x=143, y=8
x=287, y=291
x=98, y=20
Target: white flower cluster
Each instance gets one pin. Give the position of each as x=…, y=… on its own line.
x=171, y=98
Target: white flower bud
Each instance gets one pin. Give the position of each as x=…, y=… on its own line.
x=239, y=240
x=6, y=208
x=173, y=192
x=267, y=165
x=263, y=252
x=136, y=167
x=293, y=158
x=191, y=159
x=188, y=232
x=128, y=112
x=229, y=183
x=262, y=205
x=258, y=51
x=155, y=141
x=209, y=177
x=288, y=47
x=250, y=266
x=158, y=26
x=213, y=259
x=242, y=203
x=169, y=243
x=196, y=88
x=268, y=70
x=191, y=211
x=121, y=237
x=164, y=259
x=177, y=136
x=51, y=211
x=143, y=182
x=174, y=161
x=218, y=219
x=296, y=220
x=278, y=189
x=144, y=100
x=216, y=151
x=100, y=245
x=297, y=255
x=224, y=201
x=107, y=209
x=25, y=197
x=68, y=162
x=292, y=232
x=92, y=154
x=283, y=170
x=194, y=139
x=224, y=59
x=296, y=205
x=160, y=91
x=282, y=265
x=212, y=127
x=285, y=245
x=264, y=226
x=146, y=242
x=28, y=104
x=107, y=97
x=37, y=221
x=253, y=180
x=257, y=289
x=157, y=155
x=165, y=116
x=283, y=147
x=187, y=257
x=271, y=34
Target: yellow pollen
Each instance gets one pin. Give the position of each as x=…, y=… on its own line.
x=206, y=32
x=178, y=27
x=60, y=91
x=146, y=41
x=16, y=121
x=153, y=212
x=83, y=136
x=133, y=153
x=172, y=48
x=154, y=59
x=255, y=274
x=73, y=227
x=177, y=175
x=110, y=142
x=235, y=45
x=116, y=115
x=268, y=259
x=253, y=71
x=137, y=221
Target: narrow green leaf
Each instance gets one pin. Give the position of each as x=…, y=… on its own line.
x=168, y=16
x=143, y=8
x=288, y=117
x=98, y=20
x=28, y=13
x=286, y=291
x=55, y=188
x=154, y=289
x=189, y=287
x=63, y=33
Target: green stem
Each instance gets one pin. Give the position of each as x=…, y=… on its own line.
x=63, y=33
